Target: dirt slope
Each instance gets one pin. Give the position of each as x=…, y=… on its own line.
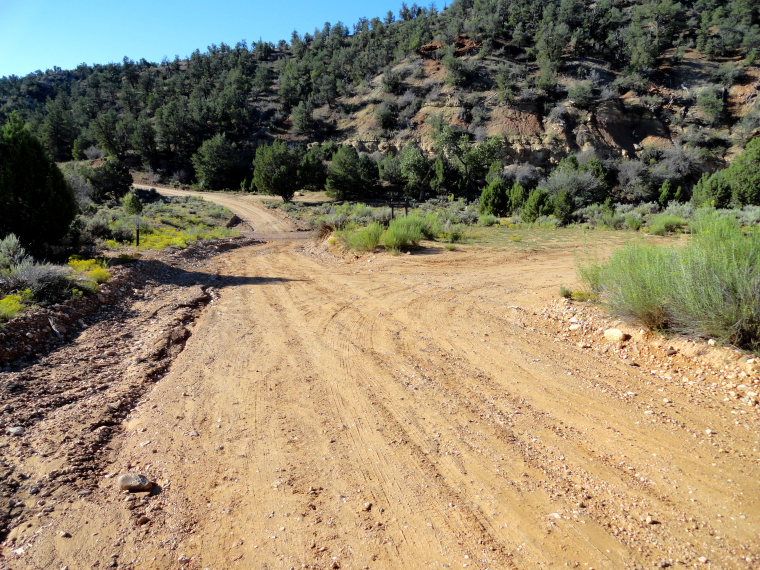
x=409, y=412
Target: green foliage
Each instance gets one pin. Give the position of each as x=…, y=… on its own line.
x=415, y=170
x=581, y=93
x=392, y=82
x=132, y=204
x=460, y=73
x=10, y=307
x=216, y=164
x=312, y=172
x=387, y=115
x=303, y=118
x=538, y=204
x=517, y=197
x=494, y=199
x=351, y=176
x=744, y=175
x=488, y=220
x=663, y=224
x=710, y=102
x=404, y=233
x=364, y=239
x=563, y=206
x=169, y=237
x=110, y=182
x=89, y=270
x=707, y=287
x=275, y=170
x=712, y=190
x=665, y=194
x=36, y=203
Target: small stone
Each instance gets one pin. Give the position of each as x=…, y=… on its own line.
x=367, y=506
x=574, y=327
x=650, y=520
x=143, y=520
x=711, y=342
x=134, y=482
x=64, y=534
x=708, y=431
x=183, y=560
x=194, y=434
x=616, y=335
x=16, y=430
x=671, y=352
x=703, y=559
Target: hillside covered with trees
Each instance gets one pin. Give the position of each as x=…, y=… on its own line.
x=624, y=101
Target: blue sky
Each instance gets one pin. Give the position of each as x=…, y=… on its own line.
x=41, y=34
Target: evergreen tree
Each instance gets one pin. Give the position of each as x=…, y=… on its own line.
x=36, y=203
x=216, y=164
x=494, y=199
x=351, y=176
x=744, y=175
x=275, y=170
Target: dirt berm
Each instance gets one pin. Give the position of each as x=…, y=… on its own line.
x=413, y=411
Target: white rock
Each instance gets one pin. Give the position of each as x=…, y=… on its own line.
x=615, y=335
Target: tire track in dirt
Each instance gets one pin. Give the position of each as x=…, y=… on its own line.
x=412, y=412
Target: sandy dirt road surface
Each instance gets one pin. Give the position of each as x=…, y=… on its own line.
x=411, y=411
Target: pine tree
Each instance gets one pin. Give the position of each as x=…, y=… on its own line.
x=36, y=203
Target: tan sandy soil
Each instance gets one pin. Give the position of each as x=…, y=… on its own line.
x=411, y=411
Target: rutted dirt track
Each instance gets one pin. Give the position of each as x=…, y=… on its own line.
x=409, y=412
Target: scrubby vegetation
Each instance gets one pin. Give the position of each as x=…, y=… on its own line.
x=708, y=286
x=164, y=222
x=25, y=281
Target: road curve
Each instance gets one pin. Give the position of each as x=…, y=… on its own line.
x=266, y=224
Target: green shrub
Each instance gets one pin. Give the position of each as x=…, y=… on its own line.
x=538, y=204
x=494, y=199
x=46, y=281
x=707, y=287
x=99, y=275
x=11, y=252
x=363, y=239
x=488, y=220
x=663, y=224
x=10, y=306
x=404, y=233
x=633, y=221
x=453, y=233
x=712, y=190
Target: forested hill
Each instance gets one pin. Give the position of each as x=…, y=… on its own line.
x=626, y=79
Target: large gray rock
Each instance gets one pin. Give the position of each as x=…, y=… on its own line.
x=134, y=482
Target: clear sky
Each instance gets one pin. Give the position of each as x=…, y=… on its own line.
x=41, y=34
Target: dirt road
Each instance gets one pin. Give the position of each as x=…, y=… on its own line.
x=413, y=411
